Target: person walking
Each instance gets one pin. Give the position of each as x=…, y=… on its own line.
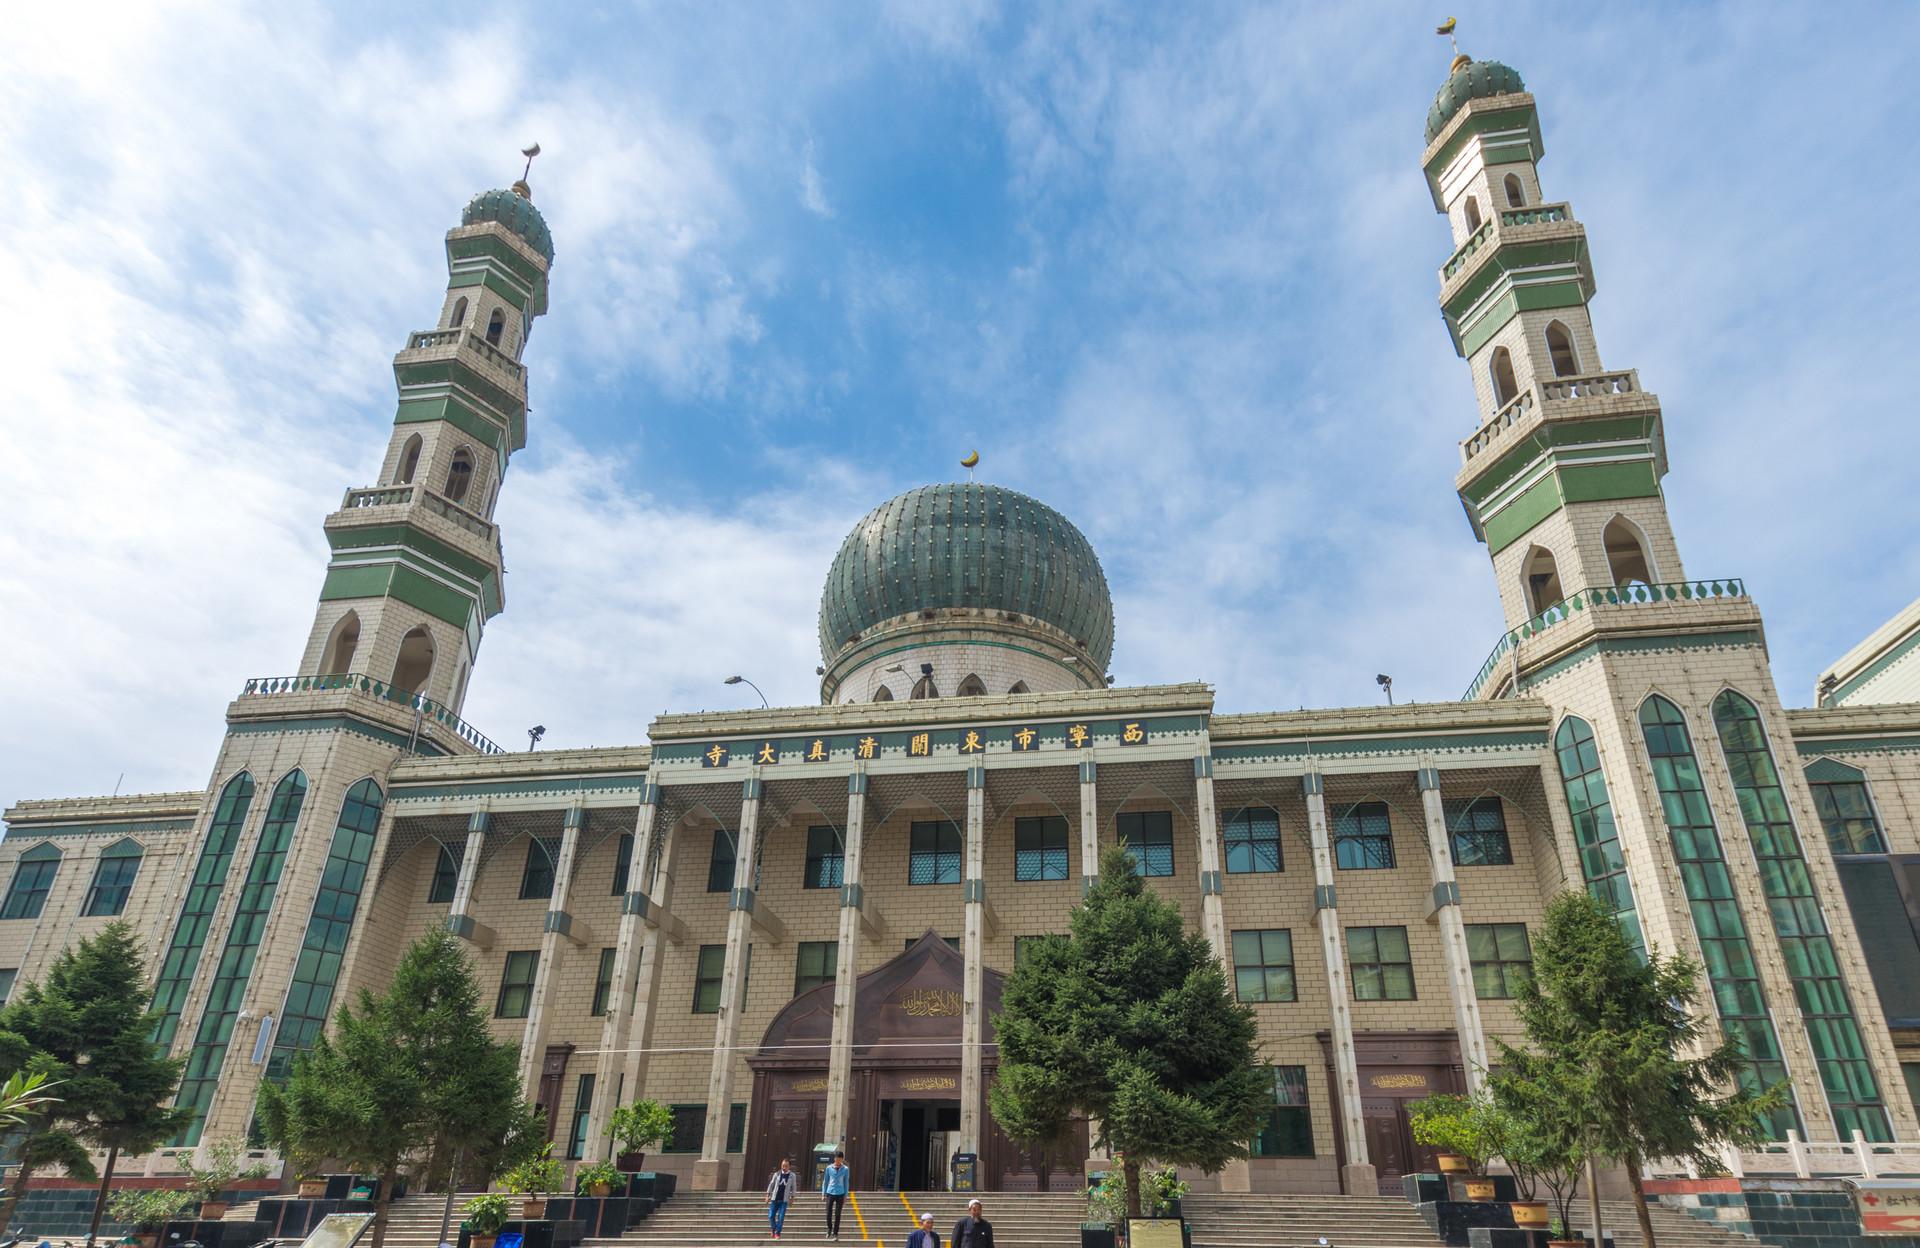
x=925, y=1236
x=973, y=1231
x=780, y=1190
x=835, y=1182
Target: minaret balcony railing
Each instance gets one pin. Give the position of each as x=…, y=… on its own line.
x=1602, y=598
x=1539, y=395
x=367, y=686
x=401, y=495
x=1488, y=234
x=468, y=340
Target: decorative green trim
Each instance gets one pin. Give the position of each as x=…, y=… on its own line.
x=1638, y=645
x=499, y=283
x=486, y=247
x=1565, y=483
x=456, y=372
x=1831, y=771
x=395, y=580
x=1858, y=745
x=109, y=827
x=336, y=723
x=559, y=785
x=1499, y=474
x=449, y=409
x=1566, y=255
x=413, y=538
x=1506, y=135
x=1322, y=747
x=1511, y=299
x=846, y=660
x=1898, y=651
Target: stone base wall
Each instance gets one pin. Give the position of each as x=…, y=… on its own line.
x=1787, y=1213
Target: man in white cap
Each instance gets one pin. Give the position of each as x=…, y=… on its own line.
x=925, y=1236
x=973, y=1231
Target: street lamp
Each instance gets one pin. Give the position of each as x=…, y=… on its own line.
x=742, y=680
x=533, y=736
x=1385, y=682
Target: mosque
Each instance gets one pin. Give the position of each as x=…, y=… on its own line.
x=793, y=924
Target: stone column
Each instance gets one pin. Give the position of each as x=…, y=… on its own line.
x=1089, y=827
x=559, y=924
x=973, y=1018
x=846, y=975
x=710, y=1172
x=1213, y=915
x=652, y=898
x=459, y=922
x=1453, y=932
x=1357, y=1177
x=626, y=951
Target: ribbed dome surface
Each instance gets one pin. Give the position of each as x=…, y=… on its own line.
x=516, y=213
x=1472, y=81
x=967, y=545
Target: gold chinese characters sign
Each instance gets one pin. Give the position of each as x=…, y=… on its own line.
x=931, y=1003
x=966, y=742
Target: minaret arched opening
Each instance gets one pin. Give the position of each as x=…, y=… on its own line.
x=1019, y=686
x=883, y=694
x=1473, y=214
x=496, y=325
x=973, y=687
x=459, y=475
x=415, y=664
x=459, y=316
x=1540, y=577
x=1560, y=350
x=1500, y=371
x=1516, y=195
x=1627, y=561
x=409, y=461
x=337, y=658
x=924, y=688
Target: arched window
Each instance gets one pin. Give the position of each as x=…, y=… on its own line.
x=883, y=694
x=1602, y=862
x=1627, y=560
x=1540, y=575
x=459, y=475
x=1516, y=198
x=1500, y=370
x=337, y=658
x=495, y=325
x=409, y=461
x=1560, y=349
x=459, y=312
x=1473, y=214
x=415, y=664
x=923, y=688
x=973, y=687
x=113, y=879
x=1019, y=686
x=32, y=881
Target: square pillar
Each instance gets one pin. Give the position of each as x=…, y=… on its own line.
x=559, y=922
x=846, y=976
x=626, y=953
x=973, y=1017
x=1453, y=933
x=1357, y=1176
x=710, y=1172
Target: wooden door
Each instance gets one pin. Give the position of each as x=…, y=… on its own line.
x=1389, y=1147
x=793, y=1128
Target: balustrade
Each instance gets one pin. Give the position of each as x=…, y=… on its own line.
x=1589, y=386
x=1504, y=419
x=466, y=340
x=377, y=496
x=1539, y=214
x=367, y=686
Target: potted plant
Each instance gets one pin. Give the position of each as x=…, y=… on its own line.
x=533, y=1178
x=146, y=1210
x=313, y=1186
x=1559, y=1237
x=638, y=1127
x=483, y=1217
x=598, y=1179
x=1106, y=1209
x=221, y=1171
x=1543, y=1147
x=1459, y=1127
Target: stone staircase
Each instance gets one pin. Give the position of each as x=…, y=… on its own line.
x=738, y=1219
x=1672, y=1228
x=1270, y=1220
x=412, y=1221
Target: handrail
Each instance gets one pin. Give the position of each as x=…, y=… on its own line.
x=1589, y=385
x=1506, y=218
x=354, y=682
x=472, y=522
x=1467, y=249
x=1506, y=418
x=439, y=504
x=1600, y=597
x=466, y=339
x=378, y=496
x=1538, y=214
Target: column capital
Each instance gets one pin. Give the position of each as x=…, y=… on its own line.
x=1202, y=766
x=650, y=793
x=972, y=891
x=1209, y=883
x=1324, y=898
x=1313, y=784
x=750, y=788
x=1088, y=770
x=1428, y=778
x=741, y=899
x=1446, y=893
x=856, y=783
x=479, y=821
x=576, y=818
x=977, y=776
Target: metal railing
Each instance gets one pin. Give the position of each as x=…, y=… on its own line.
x=1601, y=598
x=353, y=682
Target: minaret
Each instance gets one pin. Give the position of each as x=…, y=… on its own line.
x=1690, y=817
x=263, y=934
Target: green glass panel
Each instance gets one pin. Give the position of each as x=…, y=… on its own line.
x=182, y=958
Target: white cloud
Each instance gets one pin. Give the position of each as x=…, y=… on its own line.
x=813, y=192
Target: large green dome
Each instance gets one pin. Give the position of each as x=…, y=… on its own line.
x=1472, y=81
x=967, y=545
x=517, y=213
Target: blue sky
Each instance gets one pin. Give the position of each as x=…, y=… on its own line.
x=1170, y=268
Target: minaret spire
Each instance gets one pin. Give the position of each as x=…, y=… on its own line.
x=522, y=188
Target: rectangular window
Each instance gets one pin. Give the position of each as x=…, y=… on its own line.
x=689, y=1126
x=32, y=881
x=1252, y=838
x=826, y=858
x=1148, y=836
x=720, y=862
x=1263, y=965
x=934, y=853
x=1478, y=831
x=1912, y=1071
x=1501, y=958
x=516, y=984
x=446, y=875
x=706, y=979
x=7, y=976
x=1363, y=838
x=582, y=1110
x=536, y=878
x=737, y=1128
x=1382, y=968
x=622, y=863
x=603, y=983
x=1847, y=815
x=1040, y=848
x=112, y=881
x=1288, y=1131
x=815, y=964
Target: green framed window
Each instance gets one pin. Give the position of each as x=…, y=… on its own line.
x=689, y=1126
x=516, y=984
x=182, y=958
x=582, y=1110
x=1380, y=963
x=1288, y=1130
x=113, y=879
x=1040, y=848
x=603, y=983
x=1603, y=865
x=536, y=877
x=446, y=875
x=1502, y=959
x=1845, y=808
x=707, y=973
x=32, y=881
x=826, y=858
x=815, y=963
x=933, y=855
x=7, y=975
x=217, y=1021
x=1799, y=923
x=622, y=864
x=1263, y=965
x=1732, y=972
x=737, y=1127
x=1148, y=838
x=1363, y=838
x=1477, y=829
x=1252, y=840
x=1910, y=1070
x=720, y=862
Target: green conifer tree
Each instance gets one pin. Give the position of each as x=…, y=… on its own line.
x=1129, y=1020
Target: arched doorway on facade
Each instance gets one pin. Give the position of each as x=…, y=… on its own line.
x=903, y=1102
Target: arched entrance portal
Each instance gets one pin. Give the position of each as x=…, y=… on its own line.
x=903, y=1102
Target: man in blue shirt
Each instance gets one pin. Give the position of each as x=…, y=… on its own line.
x=835, y=1182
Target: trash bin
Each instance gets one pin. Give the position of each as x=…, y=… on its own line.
x=966, y=1173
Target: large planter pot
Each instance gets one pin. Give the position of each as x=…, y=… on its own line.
x=1529, y=1215
x=599, y=1189
x=533, y=1210
x=1451, y=1163
x=630, y=1163
x=148, y=1239
x=313, y=1189
x=1096, y=1236
x=1566, y=1243
x=212, y=1210
x=1478, y=1188
x=480, y=1241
